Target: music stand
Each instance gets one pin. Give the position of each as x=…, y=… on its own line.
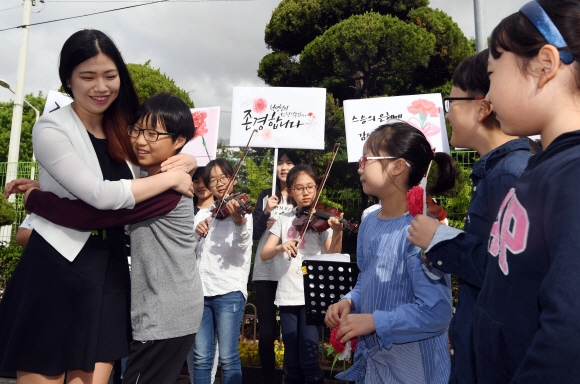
x=325, y=283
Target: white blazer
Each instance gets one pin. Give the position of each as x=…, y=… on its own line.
x=68, y=166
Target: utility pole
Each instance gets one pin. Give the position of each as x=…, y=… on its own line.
x=14, y=146
x=480, y=38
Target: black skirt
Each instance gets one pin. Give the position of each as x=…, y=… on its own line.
x=58, y=315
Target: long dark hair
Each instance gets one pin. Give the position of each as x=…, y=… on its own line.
x=401, y=140
x=294, y=158
x=88, y=43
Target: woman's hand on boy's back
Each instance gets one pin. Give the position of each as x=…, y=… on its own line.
x=422, y=230
x=181, y=161
x=182, y=182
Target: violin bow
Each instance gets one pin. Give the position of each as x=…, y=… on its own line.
x=320, y=187
x=236, y=170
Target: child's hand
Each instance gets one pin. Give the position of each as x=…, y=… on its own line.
x=290, y=247
x=202, y=228
x=20, y=186
x=270, y=222
x=235, y=209
x=336, y=312
x=335, y=224
x=271, y=204
x=354, y=325
x=422, y=230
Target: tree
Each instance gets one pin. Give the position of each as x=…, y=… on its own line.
x=362, y=49
x=28, y=120
x=149, y=81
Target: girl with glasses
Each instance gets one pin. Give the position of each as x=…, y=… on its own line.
x=224, y=253
x=399, y=310
x=300, y=340
x=264, y=276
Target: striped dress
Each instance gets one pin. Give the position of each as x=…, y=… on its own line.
x=411, y=311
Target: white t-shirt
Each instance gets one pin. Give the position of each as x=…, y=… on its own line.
x=291, y=283
x=266, y=269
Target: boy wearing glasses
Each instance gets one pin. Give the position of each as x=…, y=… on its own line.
x=166, y=291
x=503, y=159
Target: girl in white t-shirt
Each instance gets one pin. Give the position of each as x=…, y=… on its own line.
x=300, y=340
x=264, y=275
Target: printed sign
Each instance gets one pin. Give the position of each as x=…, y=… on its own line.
x=56, y=100
x=284, y=117
x=424, y=112
x=203, y=146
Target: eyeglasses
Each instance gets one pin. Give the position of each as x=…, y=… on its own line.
x=149, y=134
x=221, y=180
x=447, y=100
x=308, y=188
x=362, y=162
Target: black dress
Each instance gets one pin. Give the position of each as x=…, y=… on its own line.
x=58, y=315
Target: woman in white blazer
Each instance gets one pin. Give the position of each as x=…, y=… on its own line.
x=66, y=307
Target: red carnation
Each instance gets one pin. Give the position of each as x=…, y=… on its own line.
x=415, y=200
x=336, y=344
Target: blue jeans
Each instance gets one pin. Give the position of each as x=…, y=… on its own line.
x=300, y=346
x=222, y=316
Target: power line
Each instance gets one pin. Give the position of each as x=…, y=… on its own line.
x=110, y=10
x=14, y=7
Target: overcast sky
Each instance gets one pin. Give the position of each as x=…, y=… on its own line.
x=207, y=47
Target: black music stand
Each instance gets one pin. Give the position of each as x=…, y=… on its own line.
x=325, y=283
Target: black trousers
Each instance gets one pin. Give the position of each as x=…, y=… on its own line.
x=157, y=361
x=265, y=295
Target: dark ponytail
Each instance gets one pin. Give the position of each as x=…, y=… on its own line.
x=401, y=140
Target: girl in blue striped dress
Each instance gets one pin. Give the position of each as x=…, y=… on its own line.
x=398, y=308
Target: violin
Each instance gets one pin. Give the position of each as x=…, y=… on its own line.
x=220, y=212
x=241, y=198
x=319, y=221
x=435, y=211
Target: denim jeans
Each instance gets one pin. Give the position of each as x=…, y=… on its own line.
x=300, y=346
x=222, y=316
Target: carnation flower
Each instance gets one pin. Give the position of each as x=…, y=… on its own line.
x=415, y=200
x=338, y=346
x=341, y=351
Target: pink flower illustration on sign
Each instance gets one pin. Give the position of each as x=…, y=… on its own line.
x=266, y=134
x=259, y=105
x=423, y=108
x=199, y=122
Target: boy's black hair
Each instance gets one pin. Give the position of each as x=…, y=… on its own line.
x=471, y=75
x=171, y=112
